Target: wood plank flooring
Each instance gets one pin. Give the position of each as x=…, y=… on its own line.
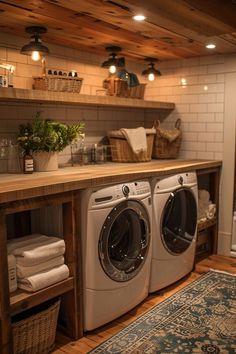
x=96, y=337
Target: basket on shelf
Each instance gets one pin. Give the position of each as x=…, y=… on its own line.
x=57, y=83
x=118, y=87
x=36, y=334
x=122, y=152
x=137, y=91
x=167, y=141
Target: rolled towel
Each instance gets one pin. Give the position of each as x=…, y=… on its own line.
x=31, y=255
x=24, y=241
x=24, y=271
x=136, y=138
x=44, y=279
x=211, y=211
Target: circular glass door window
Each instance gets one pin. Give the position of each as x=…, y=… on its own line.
x=124, y=240
x=179, y=221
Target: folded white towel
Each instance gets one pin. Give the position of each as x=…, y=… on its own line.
x=24, y=241
x=44, y=279
x=203, y=195
x=24, y=271
x=136, y=138
x=31, y=255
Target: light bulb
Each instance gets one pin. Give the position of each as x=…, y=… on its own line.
x=210, y=46
x=139, y=17
x=35, y=56
x=151, y=77
x=112, y=69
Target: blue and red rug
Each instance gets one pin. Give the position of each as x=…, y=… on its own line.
x=200, y=318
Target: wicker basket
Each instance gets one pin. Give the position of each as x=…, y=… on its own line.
x=118, y=87
x=57, y=83
x=36, y=334
x=122, y=152
x=137, y=91
x=167, y=142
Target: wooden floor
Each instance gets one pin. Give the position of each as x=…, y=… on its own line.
x=96, y=337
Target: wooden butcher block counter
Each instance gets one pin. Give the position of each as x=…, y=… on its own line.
x=16, y=187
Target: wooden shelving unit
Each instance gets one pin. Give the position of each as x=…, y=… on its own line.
x=207, y=237
x=70, y=289
x=202, y=225
x=68, y=98
x=21, y=300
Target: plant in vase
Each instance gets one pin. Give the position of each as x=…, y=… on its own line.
x=44, y=138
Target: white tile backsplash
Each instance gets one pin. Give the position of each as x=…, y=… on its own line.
x=199, y=103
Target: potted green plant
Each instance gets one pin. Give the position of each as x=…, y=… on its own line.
x=44, y=138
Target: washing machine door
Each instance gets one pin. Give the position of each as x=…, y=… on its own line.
x=179, y=221
x=124, y=241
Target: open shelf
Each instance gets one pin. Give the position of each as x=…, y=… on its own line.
x=204, y=224
x=24, y=95
x=21, y=300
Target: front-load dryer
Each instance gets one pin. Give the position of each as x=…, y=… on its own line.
x=116, y=250
x=174, y=228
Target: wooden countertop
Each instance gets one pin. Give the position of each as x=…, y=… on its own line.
x=22, y=186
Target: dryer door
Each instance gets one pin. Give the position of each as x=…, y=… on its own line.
x=179, y=221
x=124, y=240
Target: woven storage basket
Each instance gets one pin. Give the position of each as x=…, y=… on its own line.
x=118, y=87
x=36, y=334
x=122, y=152
x=57, y=83
x=137, y=91
x=167, y=142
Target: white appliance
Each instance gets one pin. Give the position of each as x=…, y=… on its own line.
x=174, y=228
x=116, y=249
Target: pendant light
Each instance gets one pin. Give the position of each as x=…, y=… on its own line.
x=113, y=62
x=35, y=47
x=151, y=72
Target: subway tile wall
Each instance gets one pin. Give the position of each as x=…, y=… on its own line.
x=195, y=85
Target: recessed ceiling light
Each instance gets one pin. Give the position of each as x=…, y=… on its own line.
x=210, y=46
x=139, y=17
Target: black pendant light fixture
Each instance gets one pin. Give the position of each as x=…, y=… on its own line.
x=35, y=48
x=151, y=72
x=113, y=61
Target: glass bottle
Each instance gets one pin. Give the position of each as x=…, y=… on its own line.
x=28, y=163
x=13, y=158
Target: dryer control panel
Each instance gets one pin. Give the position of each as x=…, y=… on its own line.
x=107, y=195
x=187, y=179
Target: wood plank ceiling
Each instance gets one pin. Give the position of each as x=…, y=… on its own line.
x=173, y=29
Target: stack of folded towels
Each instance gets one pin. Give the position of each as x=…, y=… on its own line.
x=206, y=209
x=39, y=261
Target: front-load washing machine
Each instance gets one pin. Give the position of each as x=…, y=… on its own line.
x=174, y=228
x=116, y=250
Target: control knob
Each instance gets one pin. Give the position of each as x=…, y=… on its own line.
x=125, y=190
x=180, y=180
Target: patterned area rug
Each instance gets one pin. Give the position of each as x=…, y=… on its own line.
x=201, y=318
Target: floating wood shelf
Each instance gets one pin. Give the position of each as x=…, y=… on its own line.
x=23, y=95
